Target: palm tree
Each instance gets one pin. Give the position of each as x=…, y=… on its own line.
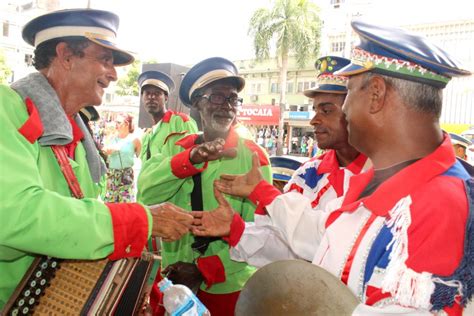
x=293, y=27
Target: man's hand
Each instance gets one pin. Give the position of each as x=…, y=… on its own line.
x=216, y=222
x=210, y=151
x=184, y=273
x=169, y=221
x=241, y=185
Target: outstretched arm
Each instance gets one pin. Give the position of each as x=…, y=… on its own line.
x=170, y=221
x=216, y=222
x=291, y=229
x=241, y=185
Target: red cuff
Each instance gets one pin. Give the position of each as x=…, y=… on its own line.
x=211, y=269
x=130, y=225
x=263, y=194
x=182, y=167
x=237, y=228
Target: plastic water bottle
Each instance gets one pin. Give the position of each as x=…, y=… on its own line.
x=179, y=300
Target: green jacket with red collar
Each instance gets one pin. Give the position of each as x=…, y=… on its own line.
x=171, y=123
x=38, y=214
x=167, y=177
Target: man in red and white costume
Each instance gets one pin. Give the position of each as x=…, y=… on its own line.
x=326, y=177
x=402, y=239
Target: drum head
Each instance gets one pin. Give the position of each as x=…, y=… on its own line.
x=294, y=287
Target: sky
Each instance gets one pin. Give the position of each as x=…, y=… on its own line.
x=183, y=31
x=187, y=31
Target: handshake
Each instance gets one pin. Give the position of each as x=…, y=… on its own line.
x=171, y=222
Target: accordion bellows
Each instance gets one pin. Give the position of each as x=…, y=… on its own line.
x=81, y=287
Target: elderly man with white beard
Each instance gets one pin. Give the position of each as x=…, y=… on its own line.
x=184, y=173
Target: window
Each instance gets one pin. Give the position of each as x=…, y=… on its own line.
x=300, y=87
x=336, y=3
x=29, y=59
x=338, y=46
x=255, y=88
x=289, y=87
x=313, y=84
x=275, y=88
x=306, y=85
x=6, y=28
x=108, y=97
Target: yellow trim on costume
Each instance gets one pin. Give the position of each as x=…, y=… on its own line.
x=63, y=31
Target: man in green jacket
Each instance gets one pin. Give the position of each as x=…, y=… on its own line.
x=184, y=173
x=47, y=155
x=155, y=88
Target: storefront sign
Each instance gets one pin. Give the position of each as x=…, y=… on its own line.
x=302, y=115
x=259, y=114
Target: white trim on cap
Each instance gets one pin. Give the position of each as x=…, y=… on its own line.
x=209, y=77
x=63, y=31
x=158, y=83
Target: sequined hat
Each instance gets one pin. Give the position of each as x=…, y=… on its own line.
x=97, y=26
x=327, y=81
x=156, y=78
x=206, y=72
x=398, y=53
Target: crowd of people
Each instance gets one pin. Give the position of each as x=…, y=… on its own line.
x=267, y=138
x=387, y=209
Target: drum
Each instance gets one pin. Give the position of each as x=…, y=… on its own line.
x=294, y=287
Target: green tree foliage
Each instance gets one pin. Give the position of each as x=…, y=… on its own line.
x=127, y=85
x=293, y=27
x=5, y=71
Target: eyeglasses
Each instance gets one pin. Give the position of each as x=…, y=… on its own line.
x=219, y=99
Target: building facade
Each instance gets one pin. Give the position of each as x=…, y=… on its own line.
x=14, y=14
x=454, y=34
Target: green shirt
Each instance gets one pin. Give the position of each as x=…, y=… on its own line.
x=157, y=183
x=37, y=213
x=172, y=122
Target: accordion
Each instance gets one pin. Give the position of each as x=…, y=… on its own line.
x=84, y=287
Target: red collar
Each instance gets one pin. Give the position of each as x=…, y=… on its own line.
x=77, y=135
x=357, y=164
x=329, y=163
x=167, y=117
x=402, y=183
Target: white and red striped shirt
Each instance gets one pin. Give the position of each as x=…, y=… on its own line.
x=388, y=247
